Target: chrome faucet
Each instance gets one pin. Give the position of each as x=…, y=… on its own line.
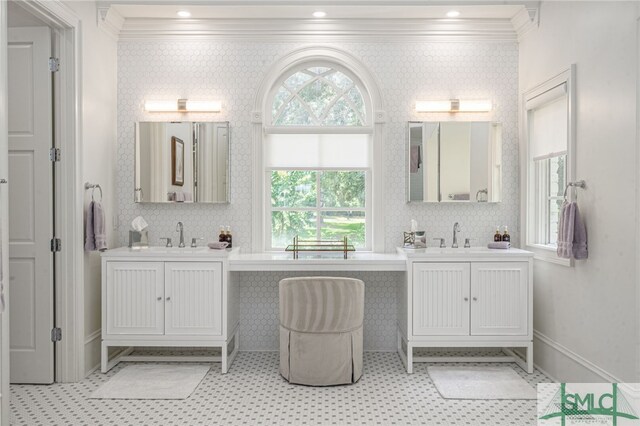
x=180, y=229
x=456, y=229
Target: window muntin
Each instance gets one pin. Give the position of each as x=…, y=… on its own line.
x=317, y=157
x=318, y=96
x=315, y=204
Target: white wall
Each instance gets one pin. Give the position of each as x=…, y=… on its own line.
x=589, y=312
x=98, y=109
x=4, y=216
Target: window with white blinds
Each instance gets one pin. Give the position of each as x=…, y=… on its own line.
x=548, y=116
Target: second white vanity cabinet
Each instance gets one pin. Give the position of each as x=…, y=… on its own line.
x=466, y=298
x=168, y=298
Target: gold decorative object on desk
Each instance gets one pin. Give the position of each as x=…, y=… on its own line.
x=334, y=246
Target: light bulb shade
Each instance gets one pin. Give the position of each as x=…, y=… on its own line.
x=433, y=106
x=454, y=105
x=183, y=105
x=161, y=106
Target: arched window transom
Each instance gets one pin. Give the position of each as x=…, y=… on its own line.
x=318, y=96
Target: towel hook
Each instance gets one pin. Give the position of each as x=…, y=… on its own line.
x=577, y=184
x=92, y=187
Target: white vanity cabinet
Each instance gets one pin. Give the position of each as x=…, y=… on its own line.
x=467, y=298
x=168, y=299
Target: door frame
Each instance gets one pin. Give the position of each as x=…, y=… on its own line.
x=69, y=263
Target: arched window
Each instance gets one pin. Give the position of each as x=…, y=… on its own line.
x=317, y=155
x=318, y=96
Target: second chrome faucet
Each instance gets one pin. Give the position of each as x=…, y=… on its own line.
x=180, y=229
x=456, y=229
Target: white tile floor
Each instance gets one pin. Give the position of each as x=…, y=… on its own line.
x=253, y=393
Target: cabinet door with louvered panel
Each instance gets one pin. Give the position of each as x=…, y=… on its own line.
x=135, y=298
x=193, y=298
x=441, y=299
x=499, y=298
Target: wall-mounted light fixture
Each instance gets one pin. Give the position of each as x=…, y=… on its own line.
x=454, y=105
x=183, y=105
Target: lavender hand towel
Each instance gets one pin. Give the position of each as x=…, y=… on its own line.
x=1, y=277
x=579, y=236
x=89, y=236
x=565, y=230
x=99, y=227
x=499, y=245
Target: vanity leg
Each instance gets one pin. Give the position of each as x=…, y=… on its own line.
x=530, y=358
x=409, y=358
x=104, y=357
x=224, y=357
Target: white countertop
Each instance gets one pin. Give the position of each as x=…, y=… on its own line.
x=472, y=254
x=198, y=253
x=283, y=261
x=280, y=261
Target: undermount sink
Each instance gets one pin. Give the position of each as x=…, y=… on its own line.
x=458, y=250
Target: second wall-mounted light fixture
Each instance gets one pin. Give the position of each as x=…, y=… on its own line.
x=454, y=105
x=182, y=105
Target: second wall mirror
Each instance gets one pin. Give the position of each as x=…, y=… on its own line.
x=182, y=162
x=454, y=162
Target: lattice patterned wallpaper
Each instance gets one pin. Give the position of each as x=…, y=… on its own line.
x=232, y=72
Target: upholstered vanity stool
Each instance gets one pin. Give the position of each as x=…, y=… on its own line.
x=321, y=330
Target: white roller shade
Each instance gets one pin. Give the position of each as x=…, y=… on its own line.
x=318, y=150
x=548, y=129
x=548, y=96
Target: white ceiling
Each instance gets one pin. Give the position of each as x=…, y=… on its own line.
x=263, y=10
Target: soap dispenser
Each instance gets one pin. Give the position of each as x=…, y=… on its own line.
x=497, y=237
x=506, y=236
x=229, y=237
x=222, y=237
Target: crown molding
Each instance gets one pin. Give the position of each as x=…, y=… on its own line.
x=109, y=20
x=310, y=29
x=527, y=19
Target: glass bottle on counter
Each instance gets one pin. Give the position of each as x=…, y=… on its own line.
x=497, y=237
x=229, y=237
x=506, y=236
x=222, y=237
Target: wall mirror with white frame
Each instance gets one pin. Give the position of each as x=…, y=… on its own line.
x=454, y=162
x=182, y=162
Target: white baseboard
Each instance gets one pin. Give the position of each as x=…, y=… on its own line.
x=573, y=357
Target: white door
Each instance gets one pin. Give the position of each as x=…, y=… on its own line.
x=441, y=299
x=193, y=298
x=30, y=205
x=499, y=296
x=135, y=298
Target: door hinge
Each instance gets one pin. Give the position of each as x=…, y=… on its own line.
x=54, y=64
x=56, y=334
x=56, y=244
x=54, y=154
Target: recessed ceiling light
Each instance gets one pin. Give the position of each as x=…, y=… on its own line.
x=184, y=13
x=319, y=14
x=453, y=14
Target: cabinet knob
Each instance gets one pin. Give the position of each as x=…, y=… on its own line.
x=168, y=299
x=475, y=299
x=159, y=298
x=466, y=299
